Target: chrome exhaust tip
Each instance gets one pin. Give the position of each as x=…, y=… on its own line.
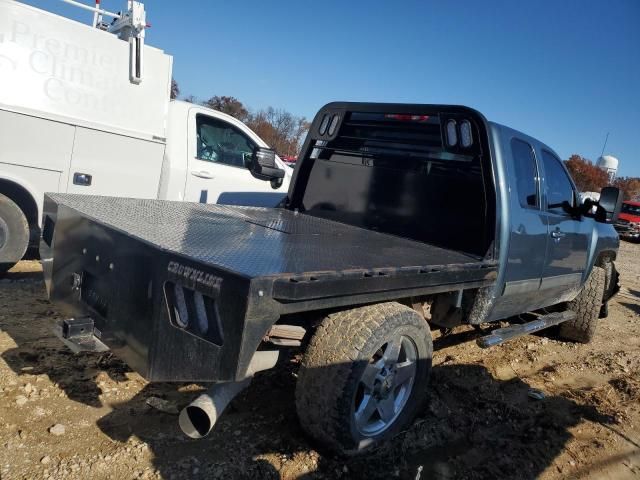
x=198, y=418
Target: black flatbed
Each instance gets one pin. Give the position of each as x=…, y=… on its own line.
x=120, y=261
x=265, y=242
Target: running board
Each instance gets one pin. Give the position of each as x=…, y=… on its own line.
x=501, y=335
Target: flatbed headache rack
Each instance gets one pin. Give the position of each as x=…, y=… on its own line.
x=243, y=267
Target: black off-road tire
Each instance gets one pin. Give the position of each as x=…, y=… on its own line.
x=14, y=233
x=611, y=286
x=611, y=283
x=335, y=361
x=587, y=307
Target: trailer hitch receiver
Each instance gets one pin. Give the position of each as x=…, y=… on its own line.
x=80, y=335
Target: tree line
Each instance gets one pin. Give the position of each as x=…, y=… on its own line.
x=588, y=177
x=283, y=131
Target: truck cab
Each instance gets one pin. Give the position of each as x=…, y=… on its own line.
x=551, y=246
x=207, y=159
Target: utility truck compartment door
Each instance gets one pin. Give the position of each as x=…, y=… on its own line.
x=117, y=165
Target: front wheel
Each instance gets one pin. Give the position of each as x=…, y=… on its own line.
x=364, y=376
x=587, y=306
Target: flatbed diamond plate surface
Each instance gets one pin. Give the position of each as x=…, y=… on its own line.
x=256, y=241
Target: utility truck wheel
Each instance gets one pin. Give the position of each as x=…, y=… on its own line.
x=14, y=233
x=364, y=376
x=587, y=307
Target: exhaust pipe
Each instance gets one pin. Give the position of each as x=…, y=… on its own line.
x=198, y=418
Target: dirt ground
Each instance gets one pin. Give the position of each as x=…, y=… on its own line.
x=86, y=416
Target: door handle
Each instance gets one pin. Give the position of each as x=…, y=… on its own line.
x=201, y=174
x=83, y=179
x=558, y=234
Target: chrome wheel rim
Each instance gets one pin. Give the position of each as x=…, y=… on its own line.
x=385, y=386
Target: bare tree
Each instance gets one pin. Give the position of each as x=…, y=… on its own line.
x=190, y=99
x=630, y=187
x=175, y=90
x=283, y=131
x=229, y=105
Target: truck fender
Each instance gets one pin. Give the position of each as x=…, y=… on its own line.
x=598, y=254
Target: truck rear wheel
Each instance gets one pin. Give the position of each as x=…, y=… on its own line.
x=587, y=307
x=364, y=376
x=14, y=233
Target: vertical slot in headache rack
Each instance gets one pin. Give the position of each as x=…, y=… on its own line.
x=129, y=25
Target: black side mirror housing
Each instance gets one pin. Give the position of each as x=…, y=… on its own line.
x=263, y=164
x=609, y=205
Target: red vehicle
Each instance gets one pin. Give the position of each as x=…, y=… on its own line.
x=289, y=159
x=628, y=224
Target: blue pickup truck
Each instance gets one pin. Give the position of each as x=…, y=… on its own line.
x=399, y=219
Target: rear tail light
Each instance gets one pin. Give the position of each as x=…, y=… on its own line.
x=194, y=312
x=401, y=117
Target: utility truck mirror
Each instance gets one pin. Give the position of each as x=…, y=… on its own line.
x=263, y=164
x=609, y=205
x=247, y=160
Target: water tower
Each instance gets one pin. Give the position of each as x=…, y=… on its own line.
x=609, y=164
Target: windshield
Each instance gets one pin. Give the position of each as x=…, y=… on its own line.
x=631, y=209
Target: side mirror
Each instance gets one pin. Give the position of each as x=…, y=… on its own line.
x=263, y=164
x=609, y=205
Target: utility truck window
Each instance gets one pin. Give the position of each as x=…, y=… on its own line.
x=220, y=142
x=559, y=188
x=526, y=173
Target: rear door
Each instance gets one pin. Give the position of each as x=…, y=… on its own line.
x=568, y=236
x=528, y=230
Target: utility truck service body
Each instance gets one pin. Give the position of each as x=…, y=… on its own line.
x=398, y=218
x=74, y=120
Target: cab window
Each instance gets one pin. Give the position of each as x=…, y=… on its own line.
x=220, y=142
x=559, y=189
x=526, y=173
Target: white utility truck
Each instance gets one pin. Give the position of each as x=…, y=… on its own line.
x=86, y=110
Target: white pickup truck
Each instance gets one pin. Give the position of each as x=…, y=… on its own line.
x=83, y=110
